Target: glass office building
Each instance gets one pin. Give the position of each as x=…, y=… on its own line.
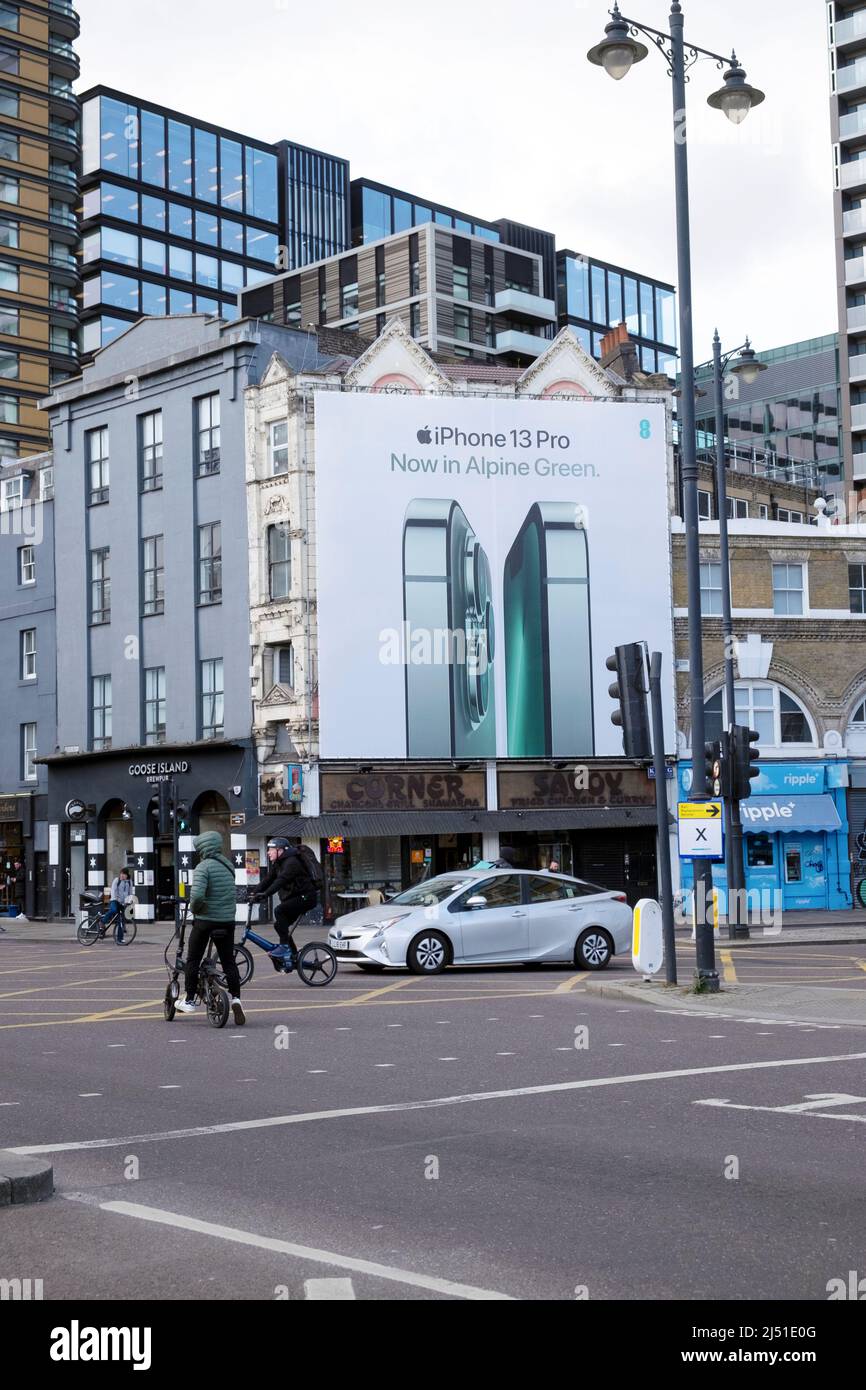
x=179, y=216
x=593, y=297
x=378, y=211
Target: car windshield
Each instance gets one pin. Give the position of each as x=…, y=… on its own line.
x=434, y=891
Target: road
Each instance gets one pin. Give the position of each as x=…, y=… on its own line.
x=492, y=1133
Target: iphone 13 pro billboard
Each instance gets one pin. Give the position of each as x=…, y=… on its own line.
x=477, y=561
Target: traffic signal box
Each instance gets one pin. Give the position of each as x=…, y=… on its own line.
x=629, y=690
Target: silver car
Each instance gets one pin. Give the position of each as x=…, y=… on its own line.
x=488, y=917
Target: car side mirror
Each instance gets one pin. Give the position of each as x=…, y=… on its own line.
x=476, y=901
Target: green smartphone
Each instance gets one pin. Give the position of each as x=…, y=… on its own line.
x=548, y=646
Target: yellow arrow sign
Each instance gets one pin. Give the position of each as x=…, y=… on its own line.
x=700, y=810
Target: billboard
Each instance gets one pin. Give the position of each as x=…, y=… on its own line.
x=477, y=561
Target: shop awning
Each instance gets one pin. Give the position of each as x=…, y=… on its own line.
x=774, y=815
x=376, y=823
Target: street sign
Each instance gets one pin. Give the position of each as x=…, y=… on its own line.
x=76, y=810
x=647, y=942
x=700, y=829
x=669, y=773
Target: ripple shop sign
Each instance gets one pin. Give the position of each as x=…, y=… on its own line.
x=478, y=559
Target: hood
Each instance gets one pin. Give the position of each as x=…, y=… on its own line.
x=367, y=917
x=209, y=845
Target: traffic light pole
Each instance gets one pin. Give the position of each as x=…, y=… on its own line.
x=664, y=841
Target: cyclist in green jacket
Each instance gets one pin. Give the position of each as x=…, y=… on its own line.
x=213, y=902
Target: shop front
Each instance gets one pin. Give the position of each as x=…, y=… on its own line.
x=19, y=844
x=795, y=837
x=380, y=831
x=103, y=811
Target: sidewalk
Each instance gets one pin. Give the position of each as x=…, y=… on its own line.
x=762, y=1003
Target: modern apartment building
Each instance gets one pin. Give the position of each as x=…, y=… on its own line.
x=847, y=38
x=39, y=148
x=179, y=215
x=783, y=440
x=458, y=293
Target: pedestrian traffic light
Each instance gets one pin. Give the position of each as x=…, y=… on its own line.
x=629, y=690
x=745, y=759
x=713, y=767
x=182, y=817
x=165, y=800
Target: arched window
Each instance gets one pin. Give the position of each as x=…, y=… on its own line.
x=858, y=718
x=776, y=716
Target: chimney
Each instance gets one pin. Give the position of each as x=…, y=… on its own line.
x=619, y=353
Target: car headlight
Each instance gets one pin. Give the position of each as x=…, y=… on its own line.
x=385, y=923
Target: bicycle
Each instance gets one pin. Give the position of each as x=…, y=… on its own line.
x=210, y=990
x=312, y=961
x=243, y=959
x=93, y=929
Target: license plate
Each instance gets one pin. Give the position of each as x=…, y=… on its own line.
x=342, y=945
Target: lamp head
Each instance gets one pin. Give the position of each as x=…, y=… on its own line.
x=736, y=98
x=618, y=51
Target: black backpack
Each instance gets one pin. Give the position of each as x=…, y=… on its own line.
x=312, y=866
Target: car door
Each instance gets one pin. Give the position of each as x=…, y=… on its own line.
x=551, y=917
x=498, y=931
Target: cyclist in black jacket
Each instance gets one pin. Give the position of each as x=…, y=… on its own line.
x=288, y=878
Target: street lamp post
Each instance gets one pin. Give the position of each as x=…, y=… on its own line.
x=617, y=53
x=746, y=369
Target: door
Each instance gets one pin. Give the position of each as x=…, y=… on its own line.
x=77, y=876
x=498, y=931
x=763, y=871
x=553, y=918
x=804, y=865
x=40, y=878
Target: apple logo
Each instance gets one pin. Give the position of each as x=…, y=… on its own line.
x=424, y=436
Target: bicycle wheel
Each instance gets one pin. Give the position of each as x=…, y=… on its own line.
x=217, y=1005
x=317, y=964
x=129, y=930
x=88, y=931
x=245, y=964
x=168, y=1004
x=169, y=955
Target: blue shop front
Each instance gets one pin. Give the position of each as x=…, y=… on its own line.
x=795, y=836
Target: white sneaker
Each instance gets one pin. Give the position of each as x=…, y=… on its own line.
x=187, y=1006
x=238, y=1011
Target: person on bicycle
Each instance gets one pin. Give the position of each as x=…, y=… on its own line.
x=297, y=892
x=121, y=892
x=212, y=900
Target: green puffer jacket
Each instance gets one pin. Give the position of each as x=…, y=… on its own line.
x=213, y=885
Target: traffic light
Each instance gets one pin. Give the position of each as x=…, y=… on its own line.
x=745, y=760
x=713, y=768
x=164, y=813
x=629, y=689
x=182, y=817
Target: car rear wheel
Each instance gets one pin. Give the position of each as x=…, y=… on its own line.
x=428, y=954
x=593, y=950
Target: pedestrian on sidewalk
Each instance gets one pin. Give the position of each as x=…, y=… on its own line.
x=213, y=901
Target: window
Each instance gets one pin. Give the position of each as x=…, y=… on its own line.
x=711, y=589
x=498, y=892
x=857, y=588
x=206, y=167
x=231, y=175
x=11, y=493
x=737, y=508
x=462, y=324
x=150, y=450
x=210, y=563
x=788, y=590
x=763, y=512
x=323, y=296
x=101, y=712
x=280, y=447
x=8, y=59
x=28, y=753
x=153, y=148
x=415, y=320
x=9, y=17
x=180, y=158
x=96, y=444
x=9, y=409
x=545, y=890
x=9, y=233
x=208, y=434
x=380, y=276
x=10, y=104
x=27, y=564
x=154, y=705
x=414, y=266
x=461, y=282
x=9, y=147
x=776, y=716
x=179, y=263
x=279, y=667
x=349, y=300
x=9, y=365
x=784, y=514
x=28, y=654
x=212, y=715
x=153, y=576
x=100, y=586
x=279, y=561
x=10, y=191
x=705, y=506
x=46, y=484
x=9, y=276
x=207, y=228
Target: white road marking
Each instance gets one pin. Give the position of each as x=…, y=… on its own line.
x=117, y=1044
x=344, y=1029
x=822, y=1101
x=4, y=1104
x=299, y=1252
x=542, y=1015
x=179, y=1040
x=505, y=1054
x=88, y=1095
x=386, y=1064
x=565, y=1049
x=318, y=1072
x=329, y=1290
x=616, y=1044
x=172, y=1087
x=438, y=1102
x=393, y=1025
x=716, y=1035
x=448, y=1059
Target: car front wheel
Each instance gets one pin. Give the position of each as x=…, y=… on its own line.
x=593, y=950
x=428, y=954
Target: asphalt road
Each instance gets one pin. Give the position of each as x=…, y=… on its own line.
x=458, y=1137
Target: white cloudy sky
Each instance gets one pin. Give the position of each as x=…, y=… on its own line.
x=491, y=107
